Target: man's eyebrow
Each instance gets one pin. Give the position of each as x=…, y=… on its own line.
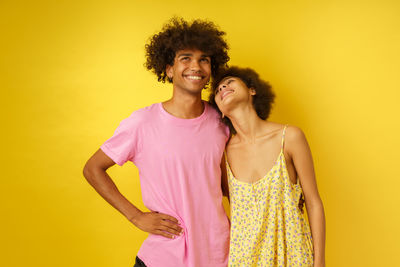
x=185, y=55
x=190, y=54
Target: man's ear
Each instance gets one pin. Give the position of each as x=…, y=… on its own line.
x=169, y=71
x=252, y=91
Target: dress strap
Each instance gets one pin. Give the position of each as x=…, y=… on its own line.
x=283, y=136
x=228, y=168
x=226, y=158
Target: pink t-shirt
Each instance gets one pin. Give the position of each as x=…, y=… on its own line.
x=180, y=175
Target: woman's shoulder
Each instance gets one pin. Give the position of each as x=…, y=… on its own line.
x=295, y=139
x=294, y=133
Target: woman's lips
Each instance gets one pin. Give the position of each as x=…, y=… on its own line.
x=225, y=93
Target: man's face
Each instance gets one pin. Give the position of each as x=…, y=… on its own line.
x=191, y=70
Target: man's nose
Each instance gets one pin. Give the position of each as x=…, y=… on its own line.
x=195, y=65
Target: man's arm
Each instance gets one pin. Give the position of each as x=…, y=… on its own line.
x=95, y=172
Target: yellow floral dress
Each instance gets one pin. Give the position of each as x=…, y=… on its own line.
x=267, y=226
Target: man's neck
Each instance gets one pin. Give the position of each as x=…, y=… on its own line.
x=184, y=106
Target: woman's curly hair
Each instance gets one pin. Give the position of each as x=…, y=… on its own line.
x=262, y=100
x=179, y=34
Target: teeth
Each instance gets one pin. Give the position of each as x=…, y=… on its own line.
x=194, y=77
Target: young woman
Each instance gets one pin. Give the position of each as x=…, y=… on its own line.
x=270, y=176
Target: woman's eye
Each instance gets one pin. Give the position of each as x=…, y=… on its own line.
x=206, y=60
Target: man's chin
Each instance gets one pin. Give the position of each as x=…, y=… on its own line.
x=196, y=89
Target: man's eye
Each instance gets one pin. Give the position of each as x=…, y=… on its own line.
x=185, y=58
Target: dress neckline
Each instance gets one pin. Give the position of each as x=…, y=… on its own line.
x=277, y=162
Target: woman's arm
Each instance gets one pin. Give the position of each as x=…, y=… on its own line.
x=224, y=178
x=300, y=153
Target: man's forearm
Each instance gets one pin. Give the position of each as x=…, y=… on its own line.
x=103, y=184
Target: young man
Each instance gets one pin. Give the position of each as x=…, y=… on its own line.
x=177, y=146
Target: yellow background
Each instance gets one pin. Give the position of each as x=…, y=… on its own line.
x=71, y=70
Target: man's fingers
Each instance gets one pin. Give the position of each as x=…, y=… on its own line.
x=167, y=217
x=159, y=232
x=167, y=225
x=169, y=230
x=171, y=225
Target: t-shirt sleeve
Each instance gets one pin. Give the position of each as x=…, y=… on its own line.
x=123, y=145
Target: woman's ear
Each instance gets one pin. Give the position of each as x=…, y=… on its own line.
x=252, y=91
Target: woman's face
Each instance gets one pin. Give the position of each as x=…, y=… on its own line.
x=230, y=92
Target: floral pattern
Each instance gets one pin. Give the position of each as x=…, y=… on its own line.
x=267, y=226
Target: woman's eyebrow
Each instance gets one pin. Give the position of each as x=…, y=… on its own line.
x=225, y=79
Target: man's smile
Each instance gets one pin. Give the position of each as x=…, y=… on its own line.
x=193, y=77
